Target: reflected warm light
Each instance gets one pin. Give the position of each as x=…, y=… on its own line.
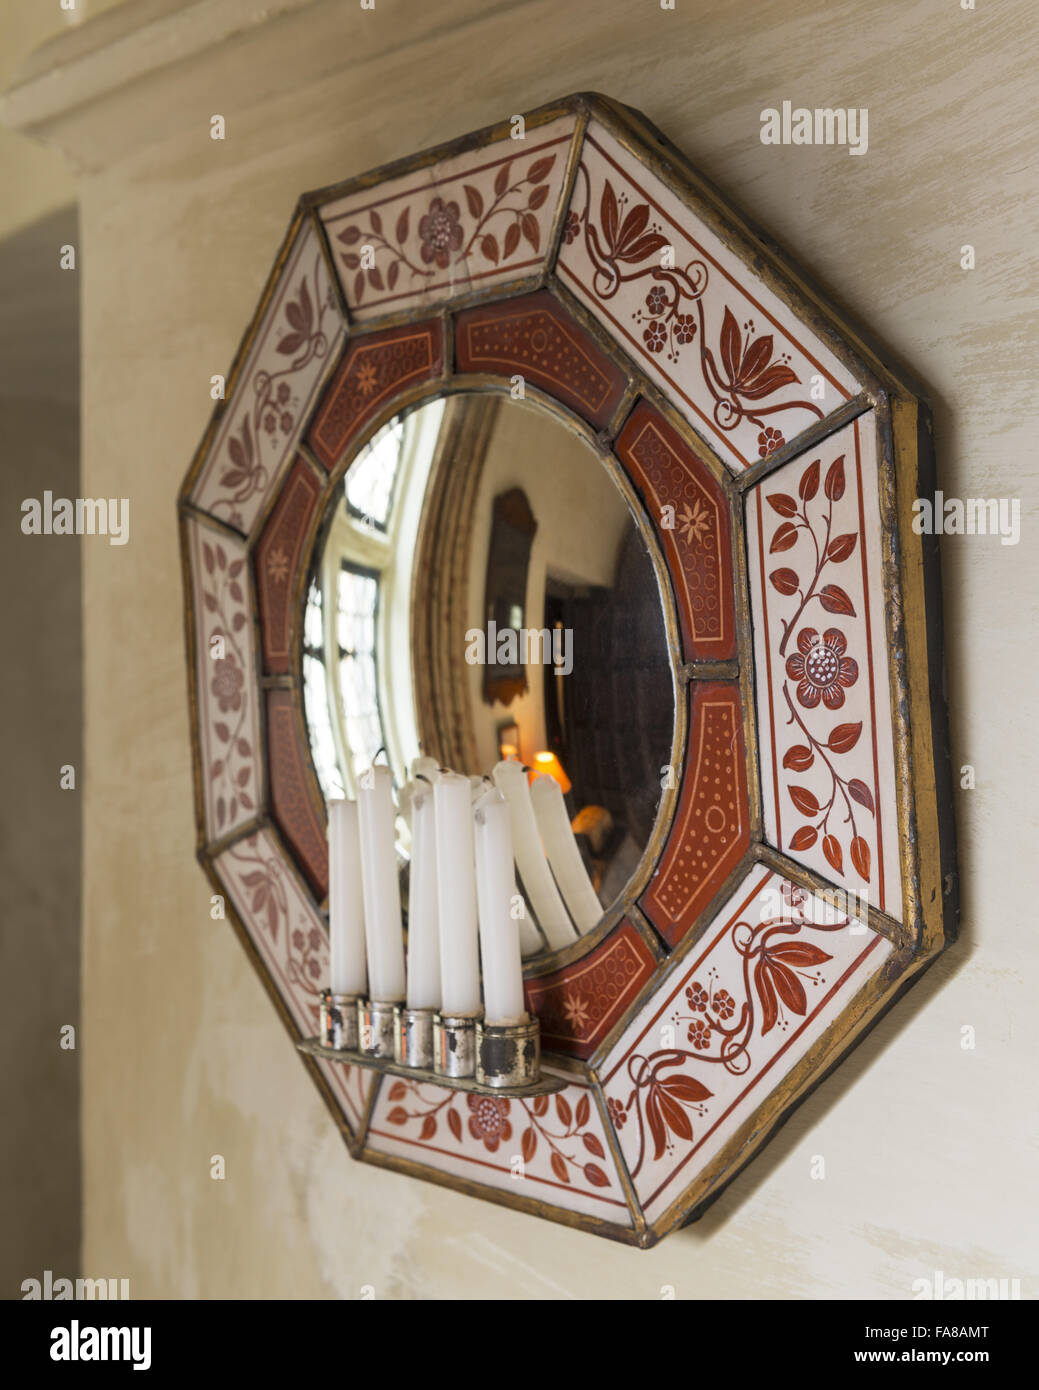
x=547, y=763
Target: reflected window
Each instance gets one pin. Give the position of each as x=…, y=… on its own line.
x=358, y=597
x=372, y=476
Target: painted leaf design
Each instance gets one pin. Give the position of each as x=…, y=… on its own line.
x=489, y=248
x=834, y=487
x=799, y=954
x=799, y=758
x=844, y=737
x=529, y=1143
x=290, y=343
x=537, y=197
x=531, y=230
x=784, y=538
x=349, y=235
x=834, y=854
x=563, y=1110
x=608, y=214
x=501, y=179
x=769, y=381
x=595, y=1175
x=685, y=1088
x=221, y=811
x=540, y=1105
x=454, y=1124
x=375, y=278
x=784, y=580
x=401, y=230
x=767, y=995
x=376, y=221
x=804, y=838
x=559, y=1168
x=393, y=274
x=592, y=1144
x=398, y=1115
x=246, y=800
x=860, y=856
x=359, y=284
x=429, y=1127
x=783, y=504
x=235, y=568
x=788, y=987
x=398, y=1091
x=583, y=1111
x=804, y=800
x=730, y=344
x=540, y=169
x=755, y=359
x=859, y=792
x=512, y=237
x=207, y=556
x=835, y=600
x=809, y=484
x=474, y=200
x=222, y=732
x=841, y=547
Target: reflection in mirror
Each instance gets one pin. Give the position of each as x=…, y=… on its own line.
x=482, y=594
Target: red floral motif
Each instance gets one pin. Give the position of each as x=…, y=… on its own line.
x=777, y=965
x=510, y=216
x=440, y=233
x=822, y=668
x=743, y=370
x=305, y=960
x=232, y=773
x=571, y=228
x=769, y=440
x=226, y=685
x=302, y=337
x=550, y=1124
x=489, y=1120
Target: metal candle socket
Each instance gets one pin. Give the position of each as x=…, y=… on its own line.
x=413, y=1037
x=376, y=1027
x=508, y=1054
x=454, y=1044
x=337, y=1021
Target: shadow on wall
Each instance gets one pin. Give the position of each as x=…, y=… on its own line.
x=40, y=823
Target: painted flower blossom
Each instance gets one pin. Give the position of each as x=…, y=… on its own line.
x=572, y=228
x=697, y=996
x=617, y=1113
x=821, y=669
x=769, y=440
x=724, y=1004
x=440, y=233
x=699, y=1034
x=655, y=336
x=489, y=1120
x=228, y=679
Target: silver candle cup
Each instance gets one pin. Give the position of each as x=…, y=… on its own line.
x=376, y=1026
x=413, y=1037
x=454, y=1044
x=337, y=1021
x=508, y=1054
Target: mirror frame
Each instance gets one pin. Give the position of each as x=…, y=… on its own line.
x=333, y=353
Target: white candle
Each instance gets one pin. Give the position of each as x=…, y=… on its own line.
x=348, y=972
x=383, y=928
x=540, y=886
x=499, y=936
x=529, y=939
x=423, y=915
x=456, y=895
x=425, y=767
x=563, y=855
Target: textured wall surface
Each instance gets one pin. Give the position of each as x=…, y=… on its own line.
x=929, y=1147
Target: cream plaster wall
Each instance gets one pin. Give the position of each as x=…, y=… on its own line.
x=929, y=1148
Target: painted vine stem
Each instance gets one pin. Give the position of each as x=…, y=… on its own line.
x=745, y=370
x=720, y=1029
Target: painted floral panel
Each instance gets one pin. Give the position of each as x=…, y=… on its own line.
x=728, y=1022
x=296, y=342
x=551, y=1148
x=292, y=942
x=225, y=664
x=814, y=544
x=726, y=350
x=467, y=222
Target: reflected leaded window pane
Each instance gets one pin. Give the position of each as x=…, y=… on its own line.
x=315, y=700
x=369, y=482
x=357, y=599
